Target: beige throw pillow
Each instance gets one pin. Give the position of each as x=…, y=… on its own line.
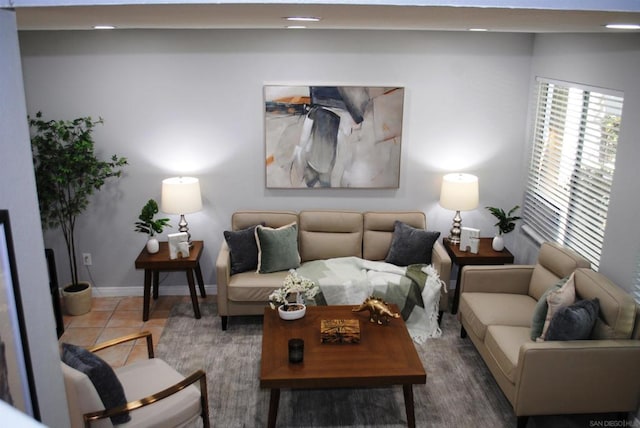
x=563, y=296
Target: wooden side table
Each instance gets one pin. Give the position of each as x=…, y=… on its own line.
x=485, y=256
x=153, y=264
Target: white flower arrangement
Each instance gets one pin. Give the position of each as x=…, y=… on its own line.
x=293, y=283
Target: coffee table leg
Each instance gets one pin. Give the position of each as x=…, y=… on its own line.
x=192, y=291
x=274, y=402
x=408, y=405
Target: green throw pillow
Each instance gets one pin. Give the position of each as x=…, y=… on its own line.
x=277, y=248
x=540, y=311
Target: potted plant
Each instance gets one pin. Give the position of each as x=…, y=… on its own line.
x=148, y=225
x=293, y=283
x=67, y=173
x=506, y=223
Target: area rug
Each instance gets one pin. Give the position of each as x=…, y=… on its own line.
x=460, y=391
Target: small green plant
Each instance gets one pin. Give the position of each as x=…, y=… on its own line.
x=506, y=222
x=147, y=224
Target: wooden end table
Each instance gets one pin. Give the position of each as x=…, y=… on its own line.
x=153, y=264
x=385, y=356
x=486, y=256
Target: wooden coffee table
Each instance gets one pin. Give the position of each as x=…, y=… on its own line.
x=385, y=356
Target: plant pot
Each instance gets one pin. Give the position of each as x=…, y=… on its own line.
x=292, y=314
x=77, y=298
x=153, y=246
x=498, y=243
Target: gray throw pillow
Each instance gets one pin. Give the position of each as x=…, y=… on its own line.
x=277, y=248
x=243, y=249
x=102, y=376
x=574, y=322
x=410, y=245
x=540, y=311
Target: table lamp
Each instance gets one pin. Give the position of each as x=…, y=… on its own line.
x=181, y=195
x=459, y=193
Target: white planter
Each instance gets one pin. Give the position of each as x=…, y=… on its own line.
x=292, y=315
x=498, y=243
x=77, y=302
x=153, y=246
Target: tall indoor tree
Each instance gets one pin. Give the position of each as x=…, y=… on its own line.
x=67, y=174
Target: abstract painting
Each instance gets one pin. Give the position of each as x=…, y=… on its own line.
x=333, y=136
x=16, y=380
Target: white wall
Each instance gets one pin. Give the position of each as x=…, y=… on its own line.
x=190, y=102
x=607, y=61
x=18, y=195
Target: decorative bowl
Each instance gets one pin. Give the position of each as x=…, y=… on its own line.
x=292, y=314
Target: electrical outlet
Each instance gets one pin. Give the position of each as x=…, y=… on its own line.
x=86, y=259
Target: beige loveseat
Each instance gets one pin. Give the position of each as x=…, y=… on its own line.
x=600, y=375
x=321, y=235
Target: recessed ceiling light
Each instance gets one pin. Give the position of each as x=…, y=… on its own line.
x=623, y=26
x=103, y=27
x=302, y=18
x=295, y=27
x=478, y=29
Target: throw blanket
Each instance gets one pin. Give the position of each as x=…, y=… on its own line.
x=350, y=280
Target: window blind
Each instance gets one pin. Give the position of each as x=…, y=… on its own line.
x=572, y=164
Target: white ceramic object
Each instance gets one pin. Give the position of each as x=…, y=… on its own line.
x=498, y=243
x=292, y=315
x=77, y=302
x=153, y=246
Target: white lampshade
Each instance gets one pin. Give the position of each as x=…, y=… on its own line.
x=459, y=192
x=181, y=195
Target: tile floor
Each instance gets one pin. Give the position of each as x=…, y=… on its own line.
x=112, y=317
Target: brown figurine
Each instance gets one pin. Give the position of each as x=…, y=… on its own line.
x=379, y=311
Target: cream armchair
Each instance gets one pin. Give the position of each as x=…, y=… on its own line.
x=156, y=394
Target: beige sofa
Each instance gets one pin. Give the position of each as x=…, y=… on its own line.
x=321, y=235
x=601, y=375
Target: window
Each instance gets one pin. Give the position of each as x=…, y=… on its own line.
x=572, y=164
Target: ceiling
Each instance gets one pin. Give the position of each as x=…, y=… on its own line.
x=334, y=16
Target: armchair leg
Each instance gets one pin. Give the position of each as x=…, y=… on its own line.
x=463, y=332
x=224, y=319
x=522, y=421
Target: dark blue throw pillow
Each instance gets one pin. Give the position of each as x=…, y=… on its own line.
x=410, y=245
x=574, y=322
x=102, y=376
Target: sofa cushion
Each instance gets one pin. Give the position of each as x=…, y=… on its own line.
x=102, y=376
x=617, y=307
x=330, y=234
x=410, y=245
x=556, y=299
x=540, y=312
x=277, y=248
x=378, y=230
x=504, y=342
x=484, y=309
x=243, y=249
x=254, y=287
x=574, y=322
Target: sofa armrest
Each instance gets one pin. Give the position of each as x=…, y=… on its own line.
x=441, y=262
x=512, y=279
x=581, y=376
x=223, y=276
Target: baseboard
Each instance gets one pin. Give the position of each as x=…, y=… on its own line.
x=164, y=290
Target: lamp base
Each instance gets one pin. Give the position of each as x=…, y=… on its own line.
x=454, y=233
x=184, y=227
